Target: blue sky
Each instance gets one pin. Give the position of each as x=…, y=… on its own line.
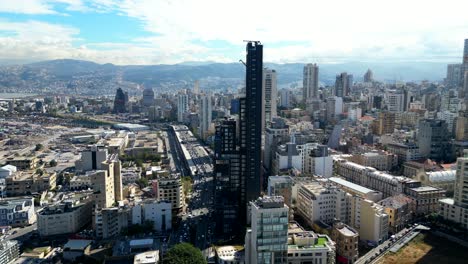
x=165, y=31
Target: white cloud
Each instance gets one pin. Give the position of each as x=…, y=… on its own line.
x=322, y=31
x=367, y=29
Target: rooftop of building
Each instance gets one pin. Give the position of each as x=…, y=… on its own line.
x=350, y=185
x=426, y=189
x=442, y=176
x=396, y=201
x=69, y=203
x=147, y=257
x=449, y=201
x=230, y=253
x=77, y=244
x=347, y=231
x=267, y=202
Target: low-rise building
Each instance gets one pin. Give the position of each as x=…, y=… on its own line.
x=426, y=199
x=148, y=257
x=170, y=189
x=230, y=255
x=29, y=182
x=380, y=160
x=400, y=210
x=17, y=212
x=9, y=251
x=80, y=182
x=316, y=202
x=23, y=163
x=65, y=217
x=346, y=239
x=159, y=212
x=309, y=247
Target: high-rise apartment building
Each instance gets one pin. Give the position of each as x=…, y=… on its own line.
x=267, y=240
x=270, y=96
x=285, y=98
x=103, y=189
x=148, y=97
x=456, y=209
x=454, y=75
x=182, y=106
x=433, y=140
x=310, y=82
x=205, y=112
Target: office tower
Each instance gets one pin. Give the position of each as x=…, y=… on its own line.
x=267, y=240
x=407, y=99
x=204, y=116
x=91, y=158
x=433, y=140
x=384, y=124
x=251, y=125
x=120, y=101
x=148, y=97
x=369, y=76
x=227, y=182
x=270, y=96
x=114, y=168
x=196, y=87
x=103, y=189
x=310, y=81
x=341, y=85
x=285, y=98
x=454, y=75
x=182, y=106
x=395, y=102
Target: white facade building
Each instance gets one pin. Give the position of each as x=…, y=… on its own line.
x=266, y=241
x=310, y=81
x=182, y=106
x=205, y=116
x=270, y=96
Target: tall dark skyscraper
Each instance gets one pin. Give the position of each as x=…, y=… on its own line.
x=251, y=124
x=120, y=101
x=227, y=180
x=238, y=178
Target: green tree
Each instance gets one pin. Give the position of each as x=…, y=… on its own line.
x=53, y=163
x=39, y=147
x=184, y=253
